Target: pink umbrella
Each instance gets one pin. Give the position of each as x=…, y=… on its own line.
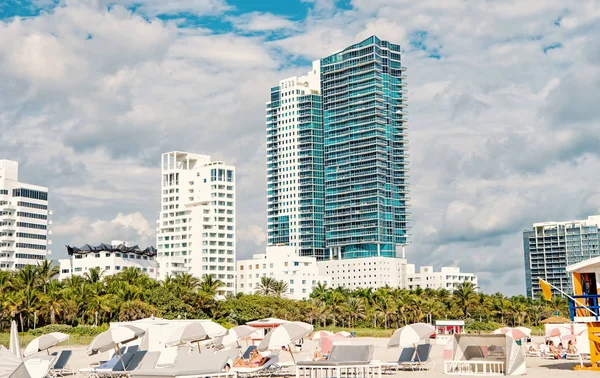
x=559, y=331
x=327, y=343
x=320, y=334
x=515, y=333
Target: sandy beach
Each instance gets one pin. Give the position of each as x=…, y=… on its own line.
x=536, y=367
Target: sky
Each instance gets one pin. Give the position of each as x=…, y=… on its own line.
x=504, y=123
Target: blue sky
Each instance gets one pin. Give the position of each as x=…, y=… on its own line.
x=502, y=99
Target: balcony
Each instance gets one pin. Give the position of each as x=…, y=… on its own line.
x=580, y=311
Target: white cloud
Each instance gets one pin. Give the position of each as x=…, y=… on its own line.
x=133, y=228
x=262, y=21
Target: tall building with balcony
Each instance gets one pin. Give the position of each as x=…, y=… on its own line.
x=295, y=187
x=337, y=161
x=549, y=247
x=365, y=150
x=196, y=231
x=24, y=234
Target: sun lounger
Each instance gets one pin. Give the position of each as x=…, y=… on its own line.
x=191, y=365
x=267, y=369
x=112, y=367
x=406, y=355
x=421, y=359
x=249, y=350
x=343, y=360
x=39, y=367
x=61, y=366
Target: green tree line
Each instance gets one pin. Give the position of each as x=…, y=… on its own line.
x=34, y=297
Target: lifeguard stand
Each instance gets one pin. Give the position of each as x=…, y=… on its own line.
x=583, y=306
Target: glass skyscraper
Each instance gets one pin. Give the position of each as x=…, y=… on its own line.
x=549, y=247
x=337, y=161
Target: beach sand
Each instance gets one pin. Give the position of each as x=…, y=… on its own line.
x=536, y=367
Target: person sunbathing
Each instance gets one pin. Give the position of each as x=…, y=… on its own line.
x=256, y=360
x=571, y=349
x=318, y=356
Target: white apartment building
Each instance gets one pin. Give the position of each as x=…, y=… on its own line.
x=110, y=258
x=281, y=263
x=368, y=272
x=196, y=231
x=295, y=188
x=24, y=234
x=447, y=278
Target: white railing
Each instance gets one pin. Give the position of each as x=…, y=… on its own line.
x=474, y=367
x=372, y=370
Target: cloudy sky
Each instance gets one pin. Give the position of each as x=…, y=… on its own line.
x=503, y=101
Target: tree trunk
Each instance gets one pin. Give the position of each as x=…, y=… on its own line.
x=21, y=319
x=52, y=316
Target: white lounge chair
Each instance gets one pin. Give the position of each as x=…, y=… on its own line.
x=39, y=367
x=343, y=360
x=191, y=365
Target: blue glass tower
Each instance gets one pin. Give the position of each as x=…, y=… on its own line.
x=365, y=150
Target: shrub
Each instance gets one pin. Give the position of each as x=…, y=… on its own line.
x=487, y=327
x=52, y=328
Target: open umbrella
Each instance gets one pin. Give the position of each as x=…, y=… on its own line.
x=525, y=330
x=114, y=337
x=14, y=344
x=44, y=342
x=284, y=335
x=327, y=343
x=11, y=366
x=343, y=334
x=235, y=334
x=410, y=335
x=515, y=333
x=320, y=334
x=196, y=332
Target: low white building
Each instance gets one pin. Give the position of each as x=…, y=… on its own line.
x=447, y=278
x=281, y=263
x=368, y=272
x=110, y=258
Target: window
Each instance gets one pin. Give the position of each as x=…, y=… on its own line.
x=28, y=193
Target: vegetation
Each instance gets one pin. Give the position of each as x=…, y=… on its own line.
x=35, y=298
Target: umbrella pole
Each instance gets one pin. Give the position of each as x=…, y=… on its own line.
x=120, y=356
x=291, y=354
x=198, y=346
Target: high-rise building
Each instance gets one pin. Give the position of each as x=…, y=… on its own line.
x=337, y=161
x=196, y=231
x=24, y=234
x=549, y=247
x=365, y=142
x=295, y=187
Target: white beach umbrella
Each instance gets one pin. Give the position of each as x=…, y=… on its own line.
x=11, y=366
x=14, y=344
x=525, y=330
x=235, y=334
x=284, y=335
x=44, y=342
x=196, y=332
x=410, y=335
x=515, y=333
x=320, y=334
x=114, y=337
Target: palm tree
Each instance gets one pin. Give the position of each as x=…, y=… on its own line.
x=266, y=285
x=52, y=300
x=355, y=308
x=279, y=288
x=465, y=296
x=46, y=272
x=94, y=275
x=186, y=282
x=210, y=285
x=320, y=291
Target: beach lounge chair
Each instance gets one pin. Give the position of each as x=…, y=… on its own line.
x=39, y=367
x=421, y=360
x=249, y=350
x=406, y=356
x=267, y=369
x=191, y=365
x=112, y=367
x=61, y=366
x=343, y=360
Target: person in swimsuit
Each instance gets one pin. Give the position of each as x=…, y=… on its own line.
x=256, y=360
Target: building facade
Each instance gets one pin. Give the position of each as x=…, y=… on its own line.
x=447, y=278
x=24, y=223
x=549, y=247
x=337, y=161
x=365, y=150
x=366, y=272
x=282, y=263
x=295, y=188
x=196, y=231
x=109, y=258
